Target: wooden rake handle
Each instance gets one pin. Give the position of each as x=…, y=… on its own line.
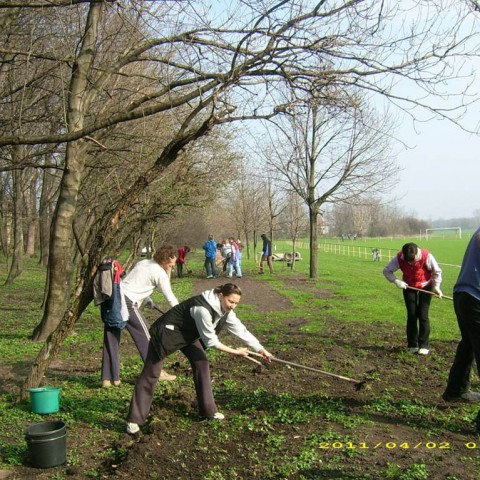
x=297, y=365
x=253, y=360
x=429, y=293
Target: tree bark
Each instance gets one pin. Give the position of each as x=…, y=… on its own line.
x=60, y=265
x=54, y=341
x=45, y=209
x=105, y=240
x=18, y=208
x=31, y=215
x=313, y=215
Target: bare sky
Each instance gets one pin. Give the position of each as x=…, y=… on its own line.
x=441, y=175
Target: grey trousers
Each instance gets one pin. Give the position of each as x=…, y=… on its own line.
x=145, y=386
x=138, y=328
x=110, y=355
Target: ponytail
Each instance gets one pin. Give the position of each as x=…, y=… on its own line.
x=227, y=289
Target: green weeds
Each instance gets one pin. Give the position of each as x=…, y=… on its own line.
x=279, y=433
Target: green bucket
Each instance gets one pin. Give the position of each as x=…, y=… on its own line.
x=45, y=399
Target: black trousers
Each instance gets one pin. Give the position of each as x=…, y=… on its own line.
x=145, y=386
x=179, y=269
x=418, y=322
x=467, y=310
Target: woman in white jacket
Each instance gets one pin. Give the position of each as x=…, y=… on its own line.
x=190, y=327
x=145, y=277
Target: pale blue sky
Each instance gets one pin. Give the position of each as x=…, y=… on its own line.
x=440, y=177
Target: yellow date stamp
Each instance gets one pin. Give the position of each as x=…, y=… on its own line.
x=390, y=445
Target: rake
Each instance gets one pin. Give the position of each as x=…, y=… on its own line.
x=359, y=384
x=429, y=293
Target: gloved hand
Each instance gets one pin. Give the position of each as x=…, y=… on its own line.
x=149, y=303
x=401, y=284
x=436, y=290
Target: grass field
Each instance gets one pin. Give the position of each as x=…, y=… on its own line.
x=360, y=299
x=364, y=291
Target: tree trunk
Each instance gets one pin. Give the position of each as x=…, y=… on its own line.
x=313, y=214
x=5, y=236
x=16, y=266
x=45, y=217
x=5, y=212
x=32, y=215
x=55, y=339
x=60, y=265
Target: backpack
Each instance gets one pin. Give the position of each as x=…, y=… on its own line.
x=108, y=293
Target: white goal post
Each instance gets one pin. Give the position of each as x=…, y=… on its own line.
x=437, y=232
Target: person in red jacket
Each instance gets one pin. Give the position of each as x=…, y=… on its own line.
x=182, y=253
x=420, y=271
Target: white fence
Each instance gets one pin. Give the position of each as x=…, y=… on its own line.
x=362, y=251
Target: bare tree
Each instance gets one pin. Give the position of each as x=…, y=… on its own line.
x=330, y=154
x=18, y=210
x=6, y=208
x=296, y=221
x=246, y=198
x=124, y=62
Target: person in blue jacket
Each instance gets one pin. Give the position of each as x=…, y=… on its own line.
x=210, y=247
x=466, y=302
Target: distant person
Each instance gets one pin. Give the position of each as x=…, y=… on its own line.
x=181, y=256
x=466, y=302
x=235, y=260
x=226, y=252
x=190, y=327
x=210, y=248
x=232, y=261
x=267, y=253
x=420, y=271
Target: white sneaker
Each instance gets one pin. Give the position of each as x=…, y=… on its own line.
x=413, y=349
x=423, y=351
x=471, y=396
x=210, y=276
x=218, y=416
x=132, y=428
x=166, y=377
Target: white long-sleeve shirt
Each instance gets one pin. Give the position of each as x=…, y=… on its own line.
x=431, y=264
x=206, y=325
x=146, y=276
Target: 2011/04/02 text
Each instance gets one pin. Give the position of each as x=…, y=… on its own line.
x=392, y=445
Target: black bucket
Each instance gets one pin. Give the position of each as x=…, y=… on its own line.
x=47, y=444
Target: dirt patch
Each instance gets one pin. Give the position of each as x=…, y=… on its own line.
x=254, y=292
x=286, y=422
